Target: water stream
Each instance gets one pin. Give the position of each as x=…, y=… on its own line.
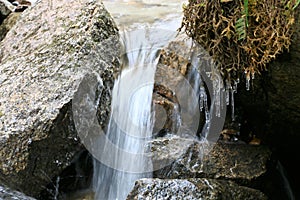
x=132, y=117
x=146, y=28
x=131, y=122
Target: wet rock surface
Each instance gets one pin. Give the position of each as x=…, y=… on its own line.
x=165, y=151
x=43, y=59
x=8, y=194
x=284, y=110
x=252, y=166
x=187, y=168
x=191, y=159
x=196, y=188
x=271, y=109
x=284, y=89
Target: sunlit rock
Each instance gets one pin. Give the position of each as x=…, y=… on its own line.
x=194, y=189
x=43, y=58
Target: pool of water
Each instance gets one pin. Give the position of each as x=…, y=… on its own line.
x=131, y=13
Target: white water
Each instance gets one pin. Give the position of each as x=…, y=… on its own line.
x=129, y=129
x=131, y=122
x=132, y=118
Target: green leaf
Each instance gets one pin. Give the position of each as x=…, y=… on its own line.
x=246, y=11
x=297, y=4
x=200, y=5
x=242, y=23
x=240, y=28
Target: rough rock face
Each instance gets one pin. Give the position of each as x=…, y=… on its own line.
x=239, y=162
x=285, y=96
x=8, y=23
x=168, y=150
x=197, y=188
x=43, y=58
x=8, y=194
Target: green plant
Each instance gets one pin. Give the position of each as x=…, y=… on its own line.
x=296, y=5
x=242, y=23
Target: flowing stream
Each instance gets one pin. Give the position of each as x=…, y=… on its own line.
x=146, y=28
x=131, y=122
x=132, y=117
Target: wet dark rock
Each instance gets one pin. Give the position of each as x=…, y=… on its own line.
x=284, y=88
x=8, y=194
x=196, y=188
x=167, y=99
x=75, y=179
x=8, y=23
x=191, y=159
x=267, y=114
x=180, y=69
x=4, y=12
x=43, y=59
x=284, y=108
x=270, y=111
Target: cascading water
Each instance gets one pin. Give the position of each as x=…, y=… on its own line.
x=110, y=183
x=132, y=115
x=131, y=122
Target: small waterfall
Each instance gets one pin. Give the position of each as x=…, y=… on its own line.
x=131, y=122
x=129, y=129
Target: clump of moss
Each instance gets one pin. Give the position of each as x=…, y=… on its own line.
x=241, y=35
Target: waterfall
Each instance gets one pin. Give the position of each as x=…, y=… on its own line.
x=132, y=117
x=131, y=121
x=126, y=149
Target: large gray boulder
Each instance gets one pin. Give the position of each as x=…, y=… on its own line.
x=43, y=59
x=193, y=189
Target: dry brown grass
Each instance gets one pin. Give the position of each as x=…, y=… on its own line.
x=268, y=28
